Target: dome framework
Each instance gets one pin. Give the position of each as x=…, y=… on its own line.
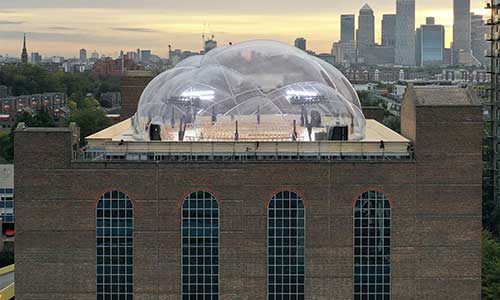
x=252, y=91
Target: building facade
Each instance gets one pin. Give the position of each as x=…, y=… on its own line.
x=430, y=40
x=389, y=30
x=405, y=33
x=56, y=104
x=301, y=43
x=256, y=225
x=347, y=28
x=461, y=28
x=478, y=40
x=7, y=213
x=365, y=36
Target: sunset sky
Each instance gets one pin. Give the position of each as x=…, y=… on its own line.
x=62, y=27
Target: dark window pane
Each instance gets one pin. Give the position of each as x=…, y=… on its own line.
x=113, y=225
x=200, y=242
x=285, y=246
x=372, y=234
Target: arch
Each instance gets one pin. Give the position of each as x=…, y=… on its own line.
x=200, y=246
x=286, y=246
x=115, y=246
x=372, y=246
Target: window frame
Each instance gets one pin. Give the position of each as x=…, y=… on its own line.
x=116, y=261
x=377, y=196
x=214, y=268
x=300, y=218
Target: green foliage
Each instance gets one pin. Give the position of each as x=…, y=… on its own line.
x=29, y=79
x=490, y=267
x=390, y=120
x=41, y=119
x=32, y=79
x=89, y=118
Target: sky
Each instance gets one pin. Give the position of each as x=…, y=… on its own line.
x=62, y=27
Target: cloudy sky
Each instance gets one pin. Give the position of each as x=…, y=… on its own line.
x=62, y=27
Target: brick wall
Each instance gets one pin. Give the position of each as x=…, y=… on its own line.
x=131, y=89
x=436, y=216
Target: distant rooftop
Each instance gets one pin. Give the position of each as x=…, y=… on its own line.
x=440, y=96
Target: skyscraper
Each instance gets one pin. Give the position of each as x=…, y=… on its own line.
x=83, y=55
x=405, y=33
x=389, y=30
x=347, y=28
x=461, y=28
x=347, y=43
x=366, y=29
x=478, y=31
x=301, y=43
x=24, y=54
x=430, y=44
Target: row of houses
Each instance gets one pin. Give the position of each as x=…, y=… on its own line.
x=56, y=104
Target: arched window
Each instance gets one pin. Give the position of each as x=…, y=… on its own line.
x=372, y=247
x=115, y=247
x=286, y=246
x=200, y=247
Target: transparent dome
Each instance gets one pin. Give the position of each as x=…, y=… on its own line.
x=252, y=91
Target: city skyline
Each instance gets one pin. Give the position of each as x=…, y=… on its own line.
x=52, y=29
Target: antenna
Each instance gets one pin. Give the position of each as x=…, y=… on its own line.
x=203, y=34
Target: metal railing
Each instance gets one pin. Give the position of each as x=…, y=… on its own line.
x=359, y=154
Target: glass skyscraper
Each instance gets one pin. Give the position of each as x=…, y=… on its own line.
x=430, y=43
x=347, y=28
x=405, y=33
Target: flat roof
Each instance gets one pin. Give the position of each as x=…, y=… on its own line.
x=375, y=132
x=118, y=140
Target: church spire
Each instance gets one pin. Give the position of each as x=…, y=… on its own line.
x=24, y=55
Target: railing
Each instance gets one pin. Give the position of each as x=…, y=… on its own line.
x=252, y=151
x=8, y=292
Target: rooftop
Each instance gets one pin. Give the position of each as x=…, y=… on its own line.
x=117, y=143
x=444, y=96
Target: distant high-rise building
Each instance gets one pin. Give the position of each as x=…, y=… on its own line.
x=210, y=44
x=461, y=28
x=478, y=31
x=345, y=50
x=347, y=28
x=405, y=33
x=389, y=30
x=132, y=55
x=83, y=55
x=36, y=58
x=145, y=55
x=301, y=43
x=24, y=54
x=430, y=43
x=366, y=29
x=139, y=58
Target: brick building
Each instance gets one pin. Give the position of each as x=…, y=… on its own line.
x=114, y=67
x=386, y=216
x=56, y=104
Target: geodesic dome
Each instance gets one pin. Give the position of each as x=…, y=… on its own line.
x=252, y=91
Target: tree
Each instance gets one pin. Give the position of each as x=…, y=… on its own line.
x=40, y=119
x=29, y=79
x=490, y=267
x=89, y=118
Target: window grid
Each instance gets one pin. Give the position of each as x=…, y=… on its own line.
x=372, y=247
x=7, y=205
x=200, y=247
x=115, y=247
x=286, y=247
